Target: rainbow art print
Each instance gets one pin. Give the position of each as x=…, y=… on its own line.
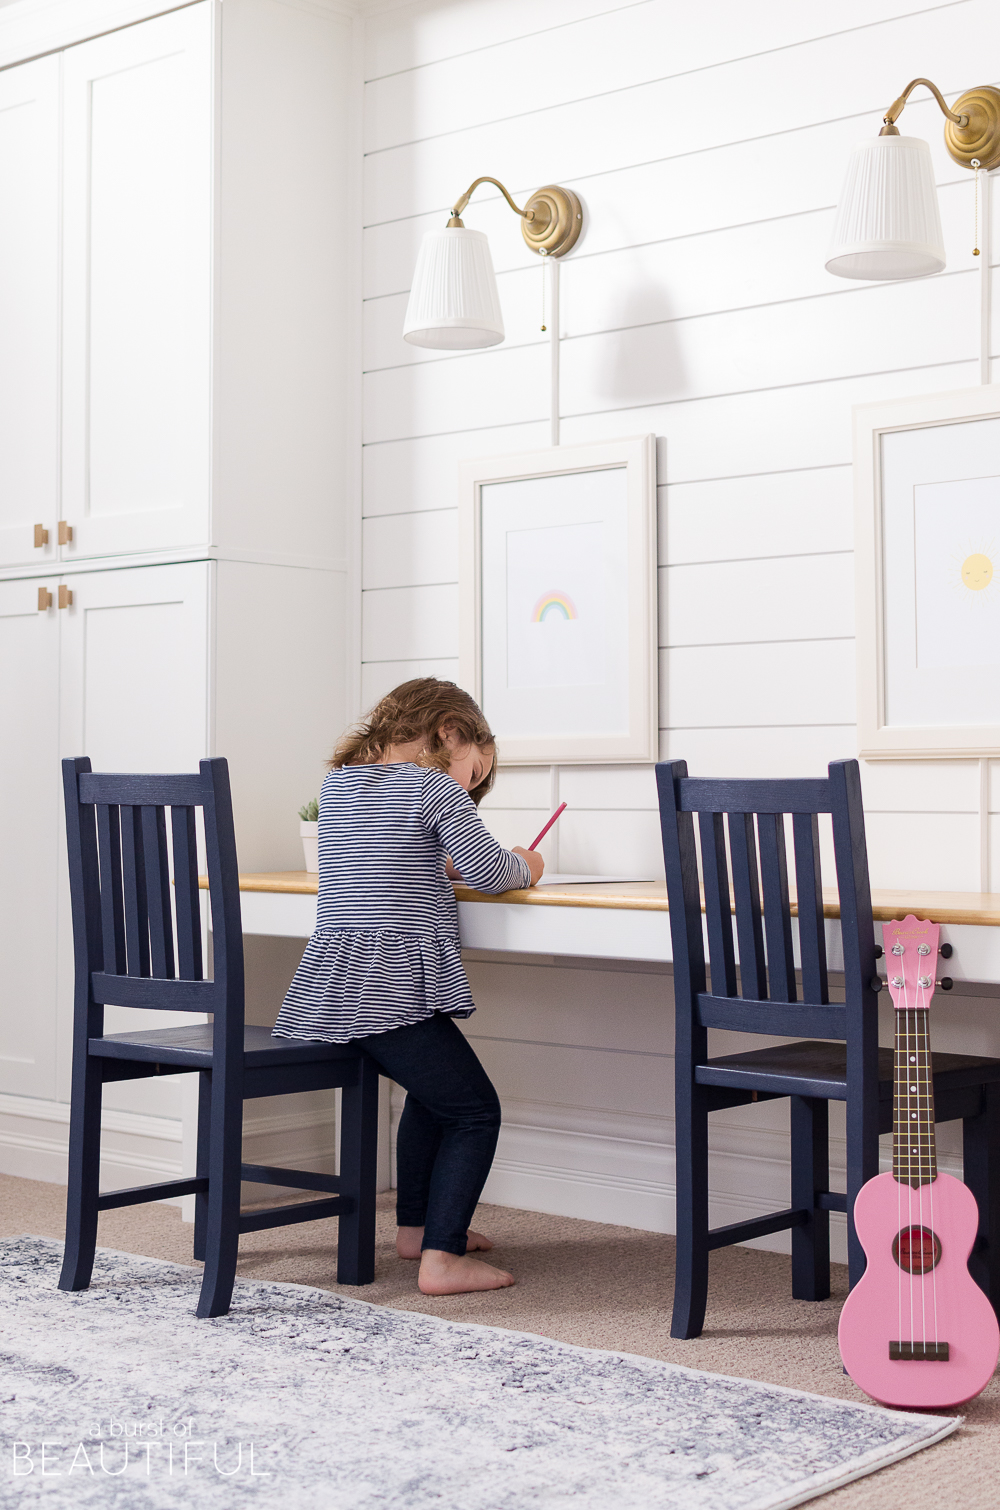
x=553, y=605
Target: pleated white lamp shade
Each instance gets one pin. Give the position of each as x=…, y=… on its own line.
x=888, y=223
x=454, y=303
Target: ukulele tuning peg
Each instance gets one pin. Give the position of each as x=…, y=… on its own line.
x=923, y=980
x=923, y=948
x=878, y=951
x=946, y=951
x=876, y=983
x=897, y=980
x=946, y=983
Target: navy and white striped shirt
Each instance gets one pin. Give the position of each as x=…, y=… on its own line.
x=386, y=952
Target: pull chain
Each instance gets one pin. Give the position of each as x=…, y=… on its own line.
x=974, y=163
x=544, y=280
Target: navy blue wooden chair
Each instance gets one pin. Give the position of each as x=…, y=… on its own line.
x=123, y=932
x=840, y=1059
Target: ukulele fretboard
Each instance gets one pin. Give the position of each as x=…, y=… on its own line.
x=914, y=1155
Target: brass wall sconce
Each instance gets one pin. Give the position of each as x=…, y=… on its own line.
x=888, y=223
x=454, y=303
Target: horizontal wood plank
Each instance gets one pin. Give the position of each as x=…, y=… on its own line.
x=749, y=518
x=772, y=430
x=409, y=550
x=394, y=44
x=737, y=686
x=419, y=474
x=659, y=47
x=379, y=677
x=400, y=623
x=726, y=602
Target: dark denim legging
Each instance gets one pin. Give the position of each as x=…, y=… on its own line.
x=448, y=1131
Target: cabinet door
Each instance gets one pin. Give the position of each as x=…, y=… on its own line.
x=134, y=653
x=30, y=800
x=29, y=308
x=137, y=165
x=134, y=667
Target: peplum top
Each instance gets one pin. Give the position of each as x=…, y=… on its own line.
x=386, y=950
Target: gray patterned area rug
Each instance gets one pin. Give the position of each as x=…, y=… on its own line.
x=118, y=1396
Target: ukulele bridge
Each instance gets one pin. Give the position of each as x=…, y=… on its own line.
x=918, y=1352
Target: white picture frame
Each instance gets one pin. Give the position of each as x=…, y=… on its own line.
x=565, y=670
x=927, y=535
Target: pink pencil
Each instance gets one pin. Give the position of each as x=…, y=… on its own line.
x=541, y=836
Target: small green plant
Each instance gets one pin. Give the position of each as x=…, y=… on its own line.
x=309, y=813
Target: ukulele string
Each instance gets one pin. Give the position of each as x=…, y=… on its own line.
x=920, y=1124
x=930, y=1193
x=901, y=1039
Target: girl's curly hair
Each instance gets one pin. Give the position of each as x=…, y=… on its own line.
x=421, y=709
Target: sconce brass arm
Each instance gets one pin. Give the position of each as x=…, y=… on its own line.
x=551, y=221
x=896, y=108
x=461, y=203
x=972, y=129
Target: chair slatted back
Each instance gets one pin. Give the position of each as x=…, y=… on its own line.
x=751, y=884
x=137, y=927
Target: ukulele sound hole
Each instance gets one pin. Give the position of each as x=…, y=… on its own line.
x=916, y=1250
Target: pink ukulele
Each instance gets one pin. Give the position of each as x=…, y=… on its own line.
x=916, y=1330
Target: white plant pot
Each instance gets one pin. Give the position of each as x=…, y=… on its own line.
x=310, y=845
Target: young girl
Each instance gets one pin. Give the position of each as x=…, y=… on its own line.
x=397, y=818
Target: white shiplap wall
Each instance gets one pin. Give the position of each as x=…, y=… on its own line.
x=708, y=144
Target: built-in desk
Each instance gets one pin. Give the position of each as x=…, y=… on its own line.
x=628, y=920
x=575, y=1026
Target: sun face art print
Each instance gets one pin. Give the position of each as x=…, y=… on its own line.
x=956, y=529
x=927, y=574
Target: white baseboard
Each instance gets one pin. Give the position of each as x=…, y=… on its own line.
x=135, y=1149
x=289, y=1132
x=564, y=1160
x=609, y=1167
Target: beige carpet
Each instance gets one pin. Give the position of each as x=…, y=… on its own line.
x=596, y=1286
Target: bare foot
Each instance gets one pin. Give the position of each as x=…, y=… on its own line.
x=408, y=1240
x=449, y=1274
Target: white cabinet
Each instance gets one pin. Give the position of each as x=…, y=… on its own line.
x=29, y=310
x=133, y=660
x=29, y=839
x=175, y=309
x=176, y=389
x=137, y=273
x=120, y=673
x=145, y=669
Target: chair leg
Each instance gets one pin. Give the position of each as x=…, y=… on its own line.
x=84, y=1178
x=358, y=1173
x=201, y=1162
x=981, y=1168
x=810, y=1173
x=691, y=1278
x=222, y=1225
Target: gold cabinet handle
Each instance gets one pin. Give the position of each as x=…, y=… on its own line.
x=65, y=597
x=65, y=532
x=44, y=599
x=41, y=536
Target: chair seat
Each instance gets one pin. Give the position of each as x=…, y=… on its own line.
x=192, y=1047
x=814, y=1067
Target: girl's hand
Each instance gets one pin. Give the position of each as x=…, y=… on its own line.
x=449, y=869
x=535, y=862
